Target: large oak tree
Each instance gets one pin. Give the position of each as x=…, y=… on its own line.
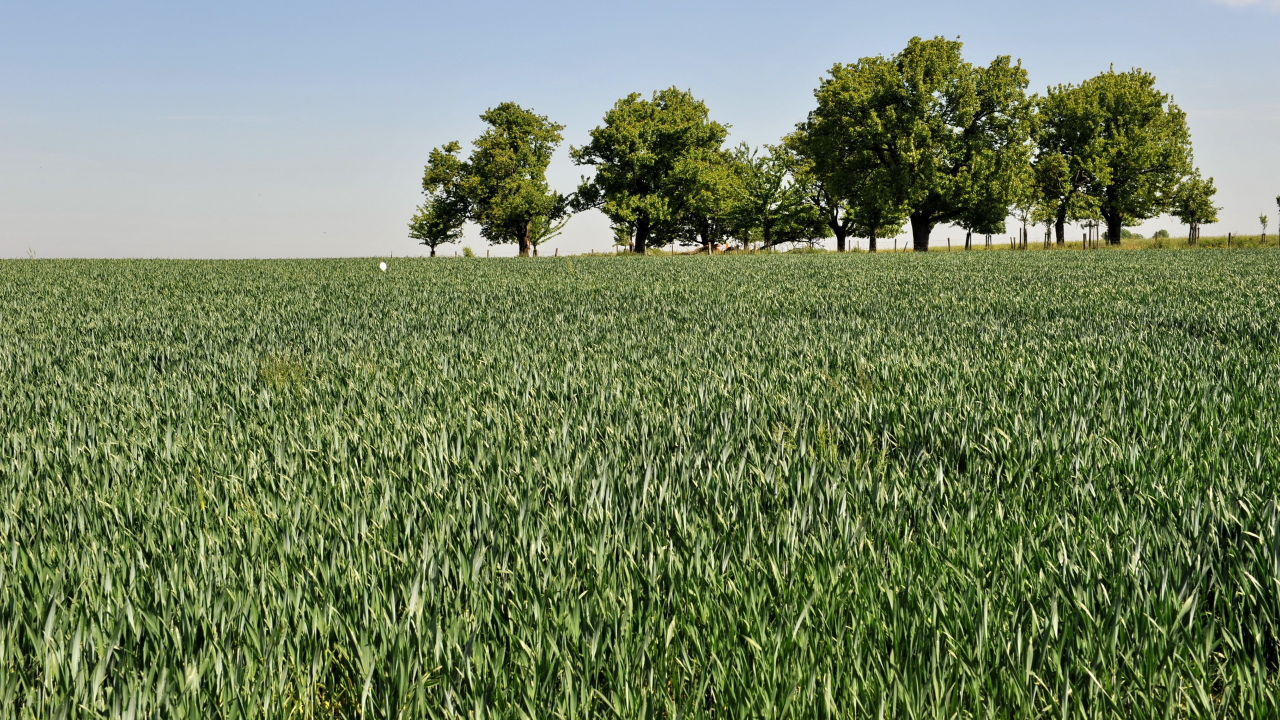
x=1126, y=145
x=925, y=132
x=649, y=157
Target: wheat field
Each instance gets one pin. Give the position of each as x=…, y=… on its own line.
x=1015, y=485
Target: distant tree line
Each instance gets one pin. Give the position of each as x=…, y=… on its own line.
x=921, y=138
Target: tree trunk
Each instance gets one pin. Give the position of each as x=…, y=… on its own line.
x=1060, y=225
x=871, y=243
x=921, y=226
x=535, y=251
x=642, y=234
x=524, y=243
x=704, y=233
x=1114, y=227
x=840, y=233
x=968, y=239
x=433, y=251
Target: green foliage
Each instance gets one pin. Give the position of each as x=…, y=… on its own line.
x=502, y=186
x=1067, y=156
x=704, y=487
x=1127, y=234
x=468, y=252
x=1192, y=203
x=439, y=220
x=769, y=206
x=923, y=134
x=544, y=229
x=437, y=223
x=711, y=185
x=655, y=161
x=507, y=184
x=816, y=189
x=1127, y=145
x=1160, y=234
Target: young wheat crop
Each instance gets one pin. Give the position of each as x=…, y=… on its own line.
x=1011, y=484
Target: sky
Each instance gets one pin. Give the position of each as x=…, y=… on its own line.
x=299, y=129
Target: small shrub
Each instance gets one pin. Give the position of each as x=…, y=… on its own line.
x=468, y=252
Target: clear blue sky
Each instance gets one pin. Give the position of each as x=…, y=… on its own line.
x=269, y=129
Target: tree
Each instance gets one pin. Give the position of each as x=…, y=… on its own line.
x=649, y=157
x=439, y=220
x=506, y=185
x=544, y=228
x=934, y=133
x=502, y=187
x=874, y=212
x=984, y=213
x=1066, y=157
x=623, y=235
x=1192, y=203
x=434, y=225
x=1025, y=210
x=1133, y=145
x=833, y=210
x=705, y=186
x=847, y=192
x=769, y=205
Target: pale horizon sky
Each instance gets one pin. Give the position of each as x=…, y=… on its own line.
x=290, y=129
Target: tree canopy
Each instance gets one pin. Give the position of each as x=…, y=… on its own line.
x=771, y=207
x=439, y=220
x=502, y=186
x=1192, y=203
x=507, y=184
x=924, y=134
x=651, y=157
x=1127, y=145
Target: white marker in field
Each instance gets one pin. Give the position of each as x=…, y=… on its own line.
x=382, y=266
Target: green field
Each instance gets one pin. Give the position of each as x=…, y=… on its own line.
x=781, y=486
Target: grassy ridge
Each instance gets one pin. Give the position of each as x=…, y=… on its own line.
x=764, y=486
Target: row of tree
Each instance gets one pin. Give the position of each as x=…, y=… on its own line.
x=920, y=138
